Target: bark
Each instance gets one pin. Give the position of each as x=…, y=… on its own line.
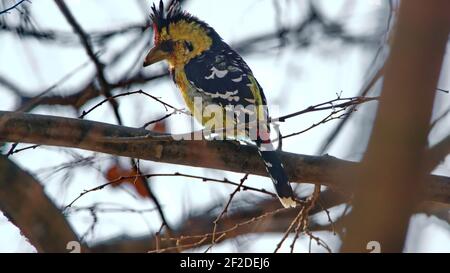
x=394, y=168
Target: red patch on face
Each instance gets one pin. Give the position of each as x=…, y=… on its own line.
x=156, y=32
x=264, y=136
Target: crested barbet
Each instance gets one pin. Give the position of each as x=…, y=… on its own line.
x=211, y=75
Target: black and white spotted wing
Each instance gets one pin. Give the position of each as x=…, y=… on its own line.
x=222, y=76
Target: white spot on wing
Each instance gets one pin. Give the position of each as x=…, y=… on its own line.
x=228, y=95
x=247, y=111
x=237, y=79
x=216, y=73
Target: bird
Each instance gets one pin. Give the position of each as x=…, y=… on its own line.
x=213, y=78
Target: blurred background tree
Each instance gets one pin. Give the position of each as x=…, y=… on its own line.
x=322, y=65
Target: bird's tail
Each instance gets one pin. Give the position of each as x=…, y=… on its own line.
x=276, y=171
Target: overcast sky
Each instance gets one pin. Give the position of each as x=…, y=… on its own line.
x=292, y=78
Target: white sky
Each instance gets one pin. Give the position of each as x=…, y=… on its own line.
x=292, y=80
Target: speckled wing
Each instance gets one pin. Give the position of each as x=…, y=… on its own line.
x=221, y=77
x=224, y=77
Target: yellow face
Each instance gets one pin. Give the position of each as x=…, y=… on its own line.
x=178, y=43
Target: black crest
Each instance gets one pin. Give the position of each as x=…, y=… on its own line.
x=162, y=18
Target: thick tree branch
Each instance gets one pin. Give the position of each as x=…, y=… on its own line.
x=394, y=169
x=222, y=155
x=25, y=204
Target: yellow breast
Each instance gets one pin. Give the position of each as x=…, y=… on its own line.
x=197, y=105
x=183, y=84
x=187, y=91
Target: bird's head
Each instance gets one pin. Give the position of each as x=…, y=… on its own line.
x=178, y=36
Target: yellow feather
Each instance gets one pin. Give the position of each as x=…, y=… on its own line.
x=256, y=92
x=183, y=84
x=185, y=31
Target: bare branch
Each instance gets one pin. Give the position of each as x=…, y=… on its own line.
x=222, y=155
x=339, y=102
x=12, y=7
x=106, y=88
x=437, y=153
x=365, y=89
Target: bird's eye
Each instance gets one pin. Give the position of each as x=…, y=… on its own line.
x=188, y=45
x=166, y=46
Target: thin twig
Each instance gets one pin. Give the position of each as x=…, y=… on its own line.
x=202, y=238
x=151, y=194
x=204, y=179
x=85, y=40
x=13, y=6
x=365, y=89
x=328, y=118
x=166, y=105
x=159, y=119
x=330, y=220
x=225, y=210
x=301, y=218
x=304, y=221
x=328, y=105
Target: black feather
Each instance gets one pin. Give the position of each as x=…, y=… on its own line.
x=199, y=68
x=162, y=19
